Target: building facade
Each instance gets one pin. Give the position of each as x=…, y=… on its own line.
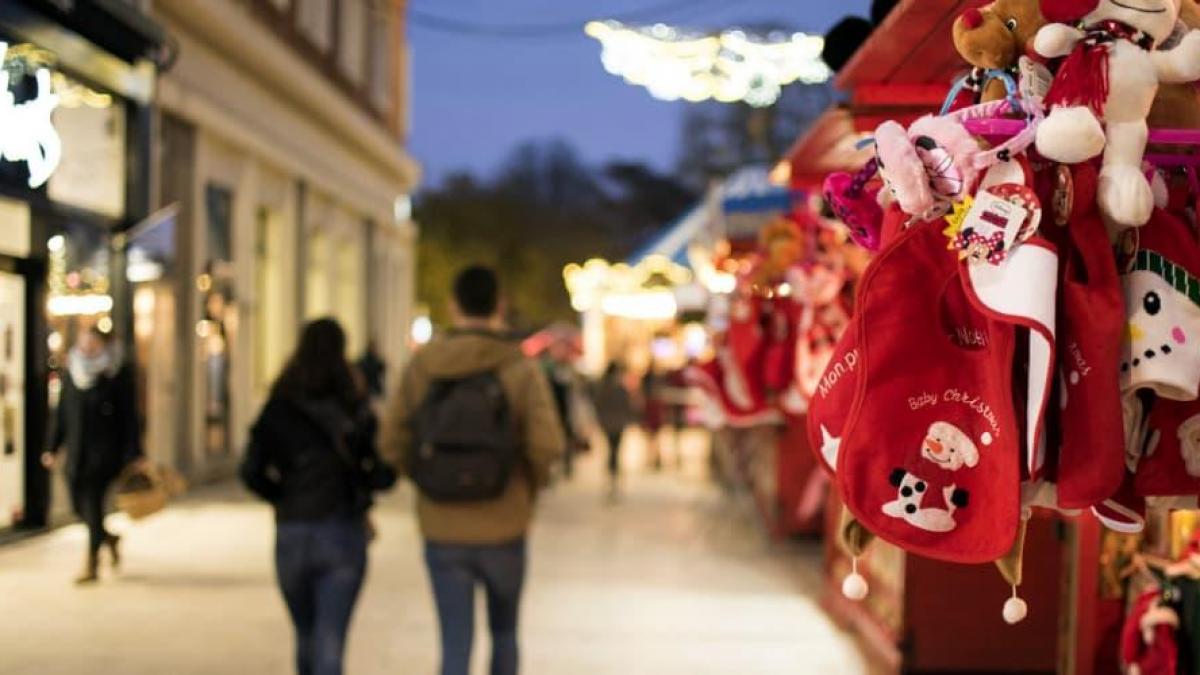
x=77, y=82
x=282, y=191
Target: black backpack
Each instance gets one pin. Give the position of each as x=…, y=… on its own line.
x=465, y=441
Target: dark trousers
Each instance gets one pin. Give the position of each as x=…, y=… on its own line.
x=614, y=453
x=454, y=572
x=320, y=565
x=87, y=499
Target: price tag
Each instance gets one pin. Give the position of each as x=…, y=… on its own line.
x=990, y=228
x=1033, y=79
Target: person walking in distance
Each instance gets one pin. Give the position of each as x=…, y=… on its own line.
x=312, y=455
x=96, y=422
x=614, y=409
x=474, y=425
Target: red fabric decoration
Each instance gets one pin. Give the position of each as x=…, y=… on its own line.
x=929, y=459
x=1148, y=637
x=1091, y=320
x=1170, y=463
x=1082, y=79
x=1068, y=11
x=780, y=317
x=830, y=403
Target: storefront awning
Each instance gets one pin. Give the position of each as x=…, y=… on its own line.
x=116, y=26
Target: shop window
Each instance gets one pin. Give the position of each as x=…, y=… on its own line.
x=15, y=228
x=91, y=173
x=317, y=301
x=216, y=328
x=314, y=19
x=352, y=40
x=351, y=294
x=12, y=398
x=382, y=71
x=270, y=326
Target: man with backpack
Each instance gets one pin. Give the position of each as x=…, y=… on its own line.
x=474, y=426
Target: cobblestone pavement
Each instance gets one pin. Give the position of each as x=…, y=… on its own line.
x=672, y=578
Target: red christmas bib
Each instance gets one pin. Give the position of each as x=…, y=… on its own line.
x=930, y=455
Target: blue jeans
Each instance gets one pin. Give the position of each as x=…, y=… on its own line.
x=454, y=572
x=320, y=565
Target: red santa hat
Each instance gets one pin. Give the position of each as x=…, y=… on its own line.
x=1067, y=11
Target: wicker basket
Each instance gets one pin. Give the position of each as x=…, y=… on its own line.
x=144, y=491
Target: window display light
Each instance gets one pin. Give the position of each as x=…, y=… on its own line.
x=729, y=66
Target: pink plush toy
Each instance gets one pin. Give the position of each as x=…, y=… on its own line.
x=1111, y=74
x=856, y=204
x=937, y=162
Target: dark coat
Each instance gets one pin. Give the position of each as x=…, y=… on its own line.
x=313, y=460
x=98, y=427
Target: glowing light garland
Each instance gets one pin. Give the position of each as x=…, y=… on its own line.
x=727, y=67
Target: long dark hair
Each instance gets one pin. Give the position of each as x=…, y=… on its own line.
x=318, y=369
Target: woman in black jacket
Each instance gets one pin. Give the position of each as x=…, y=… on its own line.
x=312, y=455
x=96, y=421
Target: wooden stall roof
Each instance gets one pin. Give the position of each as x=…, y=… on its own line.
x=913, y=45
x=828, y=146
x=904, y=70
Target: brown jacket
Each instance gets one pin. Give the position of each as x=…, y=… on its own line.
x=458, y=355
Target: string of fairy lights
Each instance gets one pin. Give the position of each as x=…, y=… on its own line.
x=729, y=66
x=672, y=63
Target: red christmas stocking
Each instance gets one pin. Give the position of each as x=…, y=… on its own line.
x=1168, y=464
x=1091, y=319
x=930, y=456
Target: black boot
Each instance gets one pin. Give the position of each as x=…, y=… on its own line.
x=113, y=542
x=90, y=571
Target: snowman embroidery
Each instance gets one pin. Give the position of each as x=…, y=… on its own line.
x=949, y=449
x=1163, y=302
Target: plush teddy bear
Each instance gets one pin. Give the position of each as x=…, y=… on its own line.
x=995, y=37
x=1111, y=73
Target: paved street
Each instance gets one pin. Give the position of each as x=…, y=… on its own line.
x=674, y=578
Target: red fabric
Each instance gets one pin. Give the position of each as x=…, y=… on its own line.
x=1082, y=79
x=1159, y=655
x=830, y=403
x=1067, y=11
x=780, y=318
x=1170, y=466
x=930, y=455
x=1091, y=321
x=747, y=339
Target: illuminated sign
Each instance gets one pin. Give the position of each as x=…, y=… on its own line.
x=27, y=133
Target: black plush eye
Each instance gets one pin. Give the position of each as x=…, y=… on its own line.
x=1011, y=25
x=1152, y=303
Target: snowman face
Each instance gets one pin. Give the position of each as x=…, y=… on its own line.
x=1155, y=17
x=1161, y=343
x=947, y=446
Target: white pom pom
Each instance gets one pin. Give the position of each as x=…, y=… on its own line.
x=854, y=586
x=1015, y=610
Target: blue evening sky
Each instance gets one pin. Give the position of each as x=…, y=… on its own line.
x=474, y=98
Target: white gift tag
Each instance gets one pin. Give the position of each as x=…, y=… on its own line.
x=1033, y=79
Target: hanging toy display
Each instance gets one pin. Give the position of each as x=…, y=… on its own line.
x=993, y=40
x=1104, y=89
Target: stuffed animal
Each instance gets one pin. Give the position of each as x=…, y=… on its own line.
x=1177, y=105
x=1111, y=74
x=994, y=37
